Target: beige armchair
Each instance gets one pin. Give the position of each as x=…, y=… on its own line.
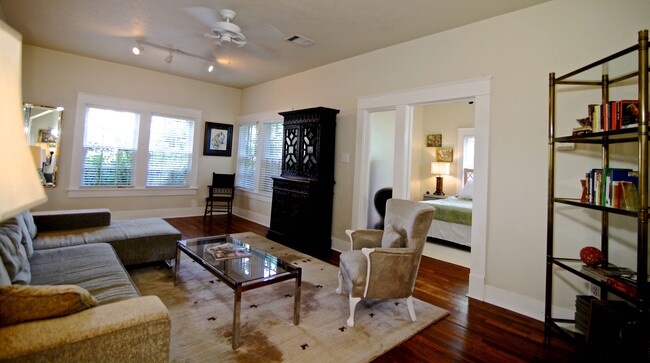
x=384, y=264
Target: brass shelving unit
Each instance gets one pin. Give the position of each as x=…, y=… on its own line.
x=599, y=74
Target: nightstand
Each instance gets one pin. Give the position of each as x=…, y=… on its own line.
x=432, y=196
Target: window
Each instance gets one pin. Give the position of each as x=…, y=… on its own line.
x=466, y=153
x=259, y=156
x=126, y=147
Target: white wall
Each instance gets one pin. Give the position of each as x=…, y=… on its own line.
x=518, y=50
x=54, y=78
x=382, y=148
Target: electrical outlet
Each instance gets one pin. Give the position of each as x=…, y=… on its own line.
x=594, y=290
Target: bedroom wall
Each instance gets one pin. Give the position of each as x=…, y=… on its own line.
x=518, y=50
x=54, y=78
x=445, y=119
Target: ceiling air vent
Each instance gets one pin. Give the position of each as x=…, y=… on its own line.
x=300, y=40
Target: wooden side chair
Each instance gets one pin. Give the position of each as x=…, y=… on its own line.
x=221, y=195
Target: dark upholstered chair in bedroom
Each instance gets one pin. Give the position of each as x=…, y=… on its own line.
x=381, y=196
x=221, y=195
x=383, y=264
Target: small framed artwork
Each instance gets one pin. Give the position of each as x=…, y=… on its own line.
x=445, y=154
x=45, y=135
x=218, y=139
x=434, y=140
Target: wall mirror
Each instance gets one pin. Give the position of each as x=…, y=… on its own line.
x=43, y=131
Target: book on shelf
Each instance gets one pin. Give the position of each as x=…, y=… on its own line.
x=228, y=250
x=607, y=187
x=630, y=196
x=622, y=285
x=614, y=115
x=602, y=273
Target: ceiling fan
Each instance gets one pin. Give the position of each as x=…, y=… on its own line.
x=224, y=31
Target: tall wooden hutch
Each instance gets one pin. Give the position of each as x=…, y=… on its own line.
x=301, y=213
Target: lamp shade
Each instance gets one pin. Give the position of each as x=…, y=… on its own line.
x=20, y=185
x=440, y=168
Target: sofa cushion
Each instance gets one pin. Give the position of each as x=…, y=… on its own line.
x=59, y=220
x=12, y=252
x=24, y=221
x=94, y=267
x=43, y=302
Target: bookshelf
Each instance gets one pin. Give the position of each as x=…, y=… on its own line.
x=603, y=74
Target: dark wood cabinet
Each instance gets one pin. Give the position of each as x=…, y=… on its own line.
x=301, y=213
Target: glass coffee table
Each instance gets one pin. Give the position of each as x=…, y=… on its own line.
x=241, y=267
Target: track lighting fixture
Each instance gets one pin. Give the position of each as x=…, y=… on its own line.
x=137, y=49
x=172, y=51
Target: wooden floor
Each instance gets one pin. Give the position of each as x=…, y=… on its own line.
x=474, y=332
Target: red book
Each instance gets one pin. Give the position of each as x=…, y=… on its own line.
x=622, y=286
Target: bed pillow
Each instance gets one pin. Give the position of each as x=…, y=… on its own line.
x=468, y=191
x=22, y=303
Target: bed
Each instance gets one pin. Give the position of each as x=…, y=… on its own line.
x=453, y=218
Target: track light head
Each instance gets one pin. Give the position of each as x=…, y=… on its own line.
x=169, y=58
x=210, y=67
x=137, y=49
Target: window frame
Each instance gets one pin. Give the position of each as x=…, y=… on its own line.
x=260, y=119
x=146, y=111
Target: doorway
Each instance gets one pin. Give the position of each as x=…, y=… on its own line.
x=403, y=103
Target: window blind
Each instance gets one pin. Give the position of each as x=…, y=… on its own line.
x=271, y=155
x=246, y=156
x=170, y=151
x=109, y=147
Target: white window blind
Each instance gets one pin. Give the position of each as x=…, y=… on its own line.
x=246, y=156
x=468, y=152
x=271, y=155
x=109, y=147
x=170, y=151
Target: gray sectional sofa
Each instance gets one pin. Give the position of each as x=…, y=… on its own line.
x=66, y=296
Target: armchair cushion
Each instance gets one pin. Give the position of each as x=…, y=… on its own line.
x=43, y=302
x=392, y=238
x=369, y=238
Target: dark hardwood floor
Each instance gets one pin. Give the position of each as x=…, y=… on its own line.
x=473, y=332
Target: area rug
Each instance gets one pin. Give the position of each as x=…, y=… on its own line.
x=201, y=309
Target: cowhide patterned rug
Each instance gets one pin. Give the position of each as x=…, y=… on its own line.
x=201, y=309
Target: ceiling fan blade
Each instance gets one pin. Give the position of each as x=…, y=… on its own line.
x=203, y=14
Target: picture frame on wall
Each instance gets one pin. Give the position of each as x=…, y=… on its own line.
x=434, y=140
x=445, y=154
x=217, y=140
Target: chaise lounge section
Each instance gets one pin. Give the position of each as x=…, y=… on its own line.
x=66, y=296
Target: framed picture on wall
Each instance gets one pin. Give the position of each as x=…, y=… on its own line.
x=434, y=140
x=218, y=139
x=445, y=154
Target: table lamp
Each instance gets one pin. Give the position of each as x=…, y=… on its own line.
x=20, y=186
x=440, y=169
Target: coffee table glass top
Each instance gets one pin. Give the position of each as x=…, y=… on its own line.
x=235, y=261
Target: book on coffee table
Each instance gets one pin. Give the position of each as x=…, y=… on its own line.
x=228, y=250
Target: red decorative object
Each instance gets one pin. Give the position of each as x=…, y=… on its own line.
x=591, y=256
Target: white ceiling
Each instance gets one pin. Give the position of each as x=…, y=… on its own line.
x=107, y=29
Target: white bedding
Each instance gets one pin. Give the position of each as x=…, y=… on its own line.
x=453, y=232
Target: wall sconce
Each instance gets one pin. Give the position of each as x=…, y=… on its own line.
x=440, y=169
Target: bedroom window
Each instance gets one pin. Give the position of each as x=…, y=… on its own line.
x=259, y=156
x=466, y=141
x=131, y=148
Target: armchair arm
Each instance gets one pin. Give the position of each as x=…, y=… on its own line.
x=136, y=329
x=391, y=272
x=60, y=220
x=364, y=238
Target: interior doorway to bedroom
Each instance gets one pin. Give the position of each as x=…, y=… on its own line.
x=443, y=129
x=403, y=103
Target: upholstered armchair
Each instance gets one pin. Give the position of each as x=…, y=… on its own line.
x=383, y=264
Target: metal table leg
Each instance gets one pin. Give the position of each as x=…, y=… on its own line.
x=235, y=318
x=296, y=302
x=177, y=264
